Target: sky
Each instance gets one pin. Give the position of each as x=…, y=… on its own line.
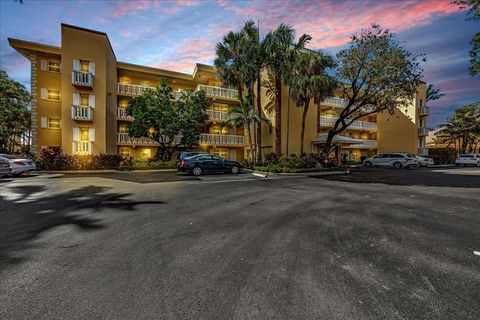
x=177, y=34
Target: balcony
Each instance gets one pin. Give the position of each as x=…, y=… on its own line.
x=423, y=151
x=423, y=111
x=335, y=102
x=124, y=138
x=122, y=114
x=207, y=138
x=82, y=147
x=423, y=131
x=84, y=113
x=355, y=125
x=367, y=144
x=132, y=89
x=83, y=79
x=219, y=115
x=219, y=93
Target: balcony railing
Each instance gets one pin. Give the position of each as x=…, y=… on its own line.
x=423, y=151
x=132, y=89
x=84, y=79
x=207, y=138
x=219, y=115
x=367, y=144
x=356, y=125
x=84, y=113
x=124, y=138
x=423, y=131
x=423, y=111
x=122, y=114
x=82, y=147
x=217, y=92
x=335, y=102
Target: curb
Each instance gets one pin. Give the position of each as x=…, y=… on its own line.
x=105, y=171
x=297, y=174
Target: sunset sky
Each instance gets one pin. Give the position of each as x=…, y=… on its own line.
x=177, y=34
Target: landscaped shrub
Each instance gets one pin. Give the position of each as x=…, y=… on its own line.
x=271, y=158
x=146, y=164
x=54, y=159
x=443, y=155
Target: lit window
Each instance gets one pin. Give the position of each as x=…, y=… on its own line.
x=54, y=123
x=84, y=66
x=220, y=107
x=220, y=152
x=84, y=99
x=146, y=153
x=53, y=66
x=53, y=95
x=219, y=130
x=84, y=134
x=123, y=103
x=124, y=80
x=123, y=128
x=125, y=152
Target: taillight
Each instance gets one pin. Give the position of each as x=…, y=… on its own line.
x=19, y=163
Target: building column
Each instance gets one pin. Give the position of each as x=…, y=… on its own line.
x=33, y=81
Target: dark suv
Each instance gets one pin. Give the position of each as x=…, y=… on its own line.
x=203, y=163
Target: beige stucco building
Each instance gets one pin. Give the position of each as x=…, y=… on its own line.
x=80, y=92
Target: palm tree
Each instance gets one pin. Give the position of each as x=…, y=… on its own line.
x=433, y=93
x=309, y=81
x=278, y=46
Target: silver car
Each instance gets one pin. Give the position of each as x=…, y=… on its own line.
x=425, y=161
x=4, y=167
x=468, y=160
x=19, y=165
x=395, y=160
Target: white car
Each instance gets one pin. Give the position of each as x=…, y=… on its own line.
x=425, y=161
x=19, y=166
x=468, y=160
x=395, y=160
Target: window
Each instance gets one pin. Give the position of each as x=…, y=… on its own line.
x=125, y=152
x=123, y=128
x=146, y=153
x=53, y=66
x=53, y=95
x=84, y=66
x=84, y=99
x=123, y=103
x=124, y=80
x=220, y=152
x=421, y=103
x=84, y=134
x=54, y=123
x=219, y=130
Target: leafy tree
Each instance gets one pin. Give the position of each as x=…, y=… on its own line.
x=310, y=81
x=462, y=129
x=279, y=46
x=376, y=74
x=433, y=93
x=14, y=112
x=473, y=12
x=171, y=123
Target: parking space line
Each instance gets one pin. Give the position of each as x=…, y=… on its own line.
x=477, y=253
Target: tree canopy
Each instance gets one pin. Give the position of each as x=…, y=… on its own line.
x=171, y=123
x=14, y=112
x=473, y=12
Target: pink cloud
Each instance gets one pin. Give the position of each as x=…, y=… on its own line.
x=134, y=7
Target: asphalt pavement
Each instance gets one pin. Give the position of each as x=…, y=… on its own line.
x=375, y=244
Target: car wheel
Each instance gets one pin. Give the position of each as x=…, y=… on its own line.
x=235, y=170
x=397, y=165
x=368, y=164
x=196, y=171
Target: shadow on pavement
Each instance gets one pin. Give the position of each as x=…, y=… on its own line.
x=25, y=213
x=432, y=177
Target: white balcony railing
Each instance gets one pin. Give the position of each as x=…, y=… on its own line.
x=84, y=113
x=124, y=138
x=422, y=151
x=219, y=115
x=423, y=131
x=335, y=102
x=217, y=92
x=132, y=89
x=367, y=144
x=207, y=138
x=82, y=147
x=84, y=79
x=423, y=111
x=122, y=114
x=356, y=125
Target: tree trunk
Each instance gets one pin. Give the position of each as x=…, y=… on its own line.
x=246, y=125
x=260, y=113
x=302, y=133
x=278, y=115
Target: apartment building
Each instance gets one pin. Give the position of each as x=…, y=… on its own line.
x=80, y=93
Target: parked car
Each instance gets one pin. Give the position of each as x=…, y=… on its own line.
x=468, y=160
x=425, y=161
x=5, y=168
x=395, y=160
x=187, y=154
x=18, y=165
x=203, y=163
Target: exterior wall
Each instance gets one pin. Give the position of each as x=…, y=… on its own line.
x=111, y=102
x=397, y=133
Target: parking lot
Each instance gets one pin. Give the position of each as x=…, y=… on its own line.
x=373, y=244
